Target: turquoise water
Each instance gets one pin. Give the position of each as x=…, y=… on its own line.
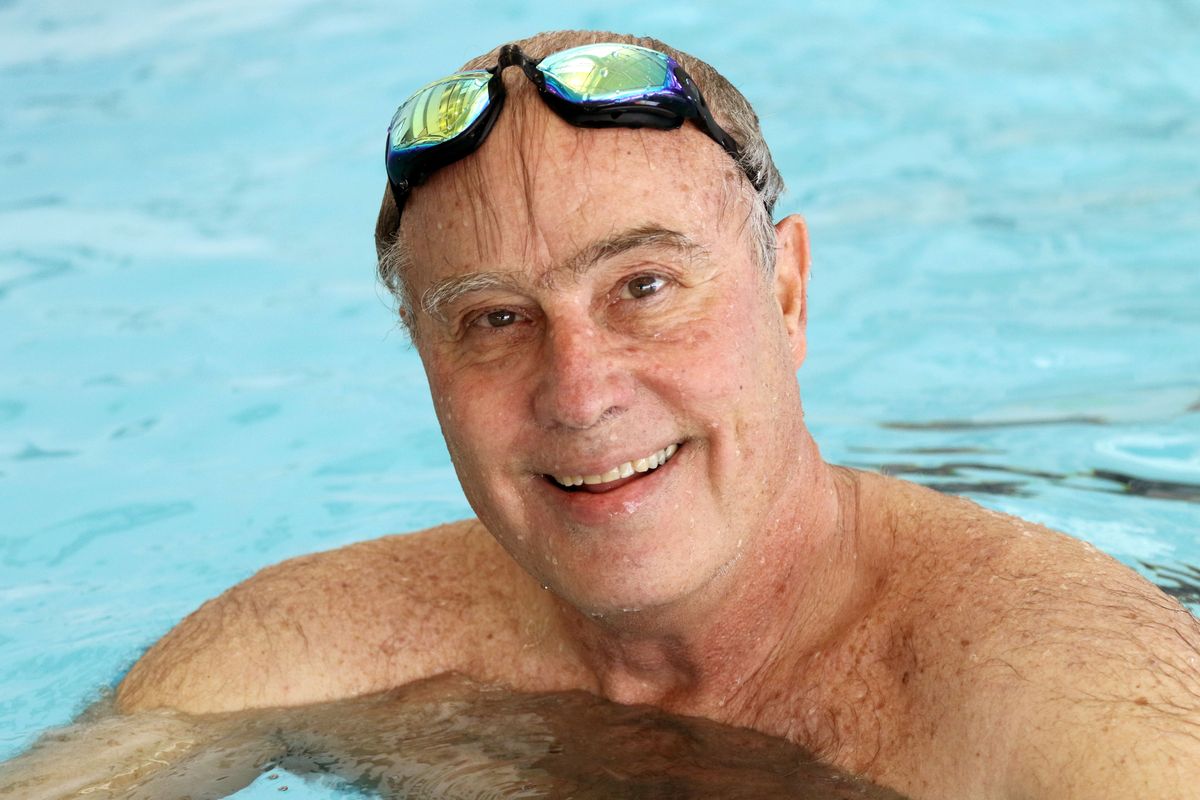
x=198, y=376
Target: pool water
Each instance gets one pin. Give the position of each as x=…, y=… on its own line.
x=199, y=377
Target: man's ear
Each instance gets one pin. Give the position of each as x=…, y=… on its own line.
x=791, y=280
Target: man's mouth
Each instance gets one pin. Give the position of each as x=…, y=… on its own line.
x=617, y=475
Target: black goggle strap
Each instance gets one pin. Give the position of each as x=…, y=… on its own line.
x=633, y=115
x=706, y=121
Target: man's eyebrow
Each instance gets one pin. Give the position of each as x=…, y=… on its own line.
x=632, y=239
x=446, y=291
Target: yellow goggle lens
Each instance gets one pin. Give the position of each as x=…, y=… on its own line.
x=606, y=72
x=440, y=111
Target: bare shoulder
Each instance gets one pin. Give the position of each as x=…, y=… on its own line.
x=1042, y=654
x=362, y=618
x=1016, y=582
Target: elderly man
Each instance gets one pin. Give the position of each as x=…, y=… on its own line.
x=611, y=328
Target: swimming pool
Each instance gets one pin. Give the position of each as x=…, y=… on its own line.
x=198, y=376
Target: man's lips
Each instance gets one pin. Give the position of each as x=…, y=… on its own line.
x=616, y=476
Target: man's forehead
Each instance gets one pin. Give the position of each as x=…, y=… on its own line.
x=539, y=190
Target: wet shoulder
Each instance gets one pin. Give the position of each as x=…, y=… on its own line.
x=362, y=618
x=962, y=567
x=1020, y=639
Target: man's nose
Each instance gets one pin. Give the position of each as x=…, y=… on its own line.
x=583, y=382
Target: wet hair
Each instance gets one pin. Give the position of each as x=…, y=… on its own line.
x=730, y=108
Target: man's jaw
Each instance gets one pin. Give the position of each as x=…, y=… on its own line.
x=615, y=476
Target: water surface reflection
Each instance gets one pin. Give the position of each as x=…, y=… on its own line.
x=451, y=738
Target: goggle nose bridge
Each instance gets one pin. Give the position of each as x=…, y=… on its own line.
x=512, y=55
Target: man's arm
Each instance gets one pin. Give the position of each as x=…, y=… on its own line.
x=318, y=627
x=1118, y=713
x=445, y=738
x=360, y=619
x=124, y=756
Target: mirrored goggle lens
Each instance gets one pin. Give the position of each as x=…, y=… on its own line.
x=604, y=73
x=440, y=111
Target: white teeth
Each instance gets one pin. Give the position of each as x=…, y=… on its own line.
x=652, y=461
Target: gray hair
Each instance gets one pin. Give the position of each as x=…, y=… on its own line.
x=730, y=108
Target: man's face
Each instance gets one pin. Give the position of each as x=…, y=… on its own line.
x=596, y=306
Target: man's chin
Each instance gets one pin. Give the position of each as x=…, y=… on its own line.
x=626, y=603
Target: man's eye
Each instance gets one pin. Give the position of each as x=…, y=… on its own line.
x=641, y=286
x=497, y=319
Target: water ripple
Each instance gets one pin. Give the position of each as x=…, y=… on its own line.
x=10, y=410
x=978, y=425
x=1181, y=581
x=32, y=452
x=134, y=429
x=36, y=268
x=87, y=528
x=253, y=414
x=1154, y=489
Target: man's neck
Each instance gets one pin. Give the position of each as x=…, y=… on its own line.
x=797, y=586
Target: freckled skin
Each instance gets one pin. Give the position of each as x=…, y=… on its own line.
x=586, y=377
x=929, y=644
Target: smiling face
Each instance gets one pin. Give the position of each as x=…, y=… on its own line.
x=591, y=307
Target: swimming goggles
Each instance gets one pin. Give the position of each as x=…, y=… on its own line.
x=596, y=85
